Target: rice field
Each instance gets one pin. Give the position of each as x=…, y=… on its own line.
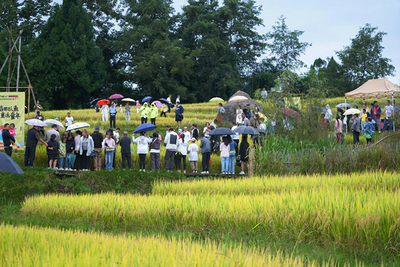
x=31, y=246
x=336, y=214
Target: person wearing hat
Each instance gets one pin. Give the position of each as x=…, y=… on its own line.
x=144, y=111
x=193, y=150
x=98, y=140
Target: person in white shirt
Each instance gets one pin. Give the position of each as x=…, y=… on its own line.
x=264, y=95
x=178, y=99
x=186, y=133
x=389, y=112
x=193, y=151
x=69, y=120
x=116, y=135
x=182, y=153
x=171, y=143
x=239, y=119
x=328, y=114
x=104, y=112
x=109, y=146
x=235, y=137
x=169, y=103
x=142, y=149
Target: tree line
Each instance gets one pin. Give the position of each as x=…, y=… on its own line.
x=83, y=49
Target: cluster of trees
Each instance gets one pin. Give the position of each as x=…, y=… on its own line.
x=83, y=49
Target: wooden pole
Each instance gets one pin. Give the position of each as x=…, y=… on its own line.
x=10, y=58
x=29, y=100
x=19, y=58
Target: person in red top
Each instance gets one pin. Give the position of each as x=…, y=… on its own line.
x=376, y=116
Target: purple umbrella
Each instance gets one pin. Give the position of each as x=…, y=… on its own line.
x=157, y=103
x=116, y=96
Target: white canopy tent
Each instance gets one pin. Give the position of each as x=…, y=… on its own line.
x=375, y=88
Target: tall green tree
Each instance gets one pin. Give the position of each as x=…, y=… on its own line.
x=68, y=65
x=285, y=47
x=362, y=59
x=157, y=63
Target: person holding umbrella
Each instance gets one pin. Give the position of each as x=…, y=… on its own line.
x=32, y=139
x=104, y=112
x=144, y=111
x=153, y=113
x=8, y=139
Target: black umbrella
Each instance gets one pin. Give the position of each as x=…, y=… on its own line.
x=246, y=130
x=7, y=164
x=222, y=131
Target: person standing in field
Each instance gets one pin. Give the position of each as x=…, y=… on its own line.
x=235, y=137
x=244, y=154
x=137, y=106
x=104, y=112
x=193, y=151
x=8, y=139
x=109, y=146
x=164, y=109
x=239, y=113
x=376, y=116
x=120, y=108
x=225, y=148
x=356, y=128
x=69, y=120
x=78, y=159
x=387, y=121
x=171, y=143
x=182, y=151
x=363, y=118
x=195, y=131
x=70, y=147
x=155, y=152
x=179, y=114
x=245, y=120
x=264, y=95
x=113, y=114
x=98, y=145
x=127, y=111
x=220, y=113
x=338, y=128
x=368, y=130
x=144, y=112
x=85, y=148
x=39, y=116
x=63, y=153
x=206, y=153
x=186, y=133
x=125, y=144
x=142, y=149
x=52, y=131
x=32, y=138
x=169, y=102
x=232, y=155
x=153, y=113
x=37, y=107
x=52, y=152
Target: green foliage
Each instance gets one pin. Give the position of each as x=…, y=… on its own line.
x=67, y=65
x=362, y=59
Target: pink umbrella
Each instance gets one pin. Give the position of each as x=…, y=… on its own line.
x=157, y=103
x=116, y=96
x=290, y=112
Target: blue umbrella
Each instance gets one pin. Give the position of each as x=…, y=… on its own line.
x=246, y=130
x=163, y=100
x=145, y=127
x=222, y=131
x=146, y=98
x=9, y=165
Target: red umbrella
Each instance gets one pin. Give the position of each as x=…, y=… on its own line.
x=116, y=96
x=290, y=112
x=103, y=102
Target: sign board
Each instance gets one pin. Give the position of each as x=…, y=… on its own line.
x=12, y=110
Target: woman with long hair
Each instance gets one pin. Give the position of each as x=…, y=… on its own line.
x=244, y=154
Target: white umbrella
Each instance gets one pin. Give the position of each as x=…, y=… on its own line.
x=216, y=99
x=128, y=100
x=352, y=111
x=78, y=125
x=50, y=123
x=238, y=98
x=36, y=122
x=343, y=105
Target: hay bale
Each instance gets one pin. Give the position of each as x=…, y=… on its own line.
x=230, y=108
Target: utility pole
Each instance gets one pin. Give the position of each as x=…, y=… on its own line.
x=19, y=58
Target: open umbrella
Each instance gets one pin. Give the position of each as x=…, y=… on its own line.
x=145, y=128
x=216, y=99
x=246, y=130
x=116, y=96
x=352, y=111
x=50, y=123
x=128, y=100
x=290, y=112
x=36, y=122
x=157, y=103
x=238, y=98
x=77, y=126
x=9, y=165
x=163, y=100
x=147, y=98
x=222, y=131
x=343, y=105
x=103, y=102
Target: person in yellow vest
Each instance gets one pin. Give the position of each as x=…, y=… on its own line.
x=153, y=113
x=144, y=112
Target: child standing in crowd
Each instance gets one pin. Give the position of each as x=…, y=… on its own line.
x=137, y=106
x=142, y=149
x=225, y=148
x=193, y=151
x=63, y=153
x=52, y=152
x=182, y=150
x=120, y=108
x=109, y=146
x=155, y=152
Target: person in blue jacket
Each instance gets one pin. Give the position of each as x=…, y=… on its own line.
x=179, y=114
